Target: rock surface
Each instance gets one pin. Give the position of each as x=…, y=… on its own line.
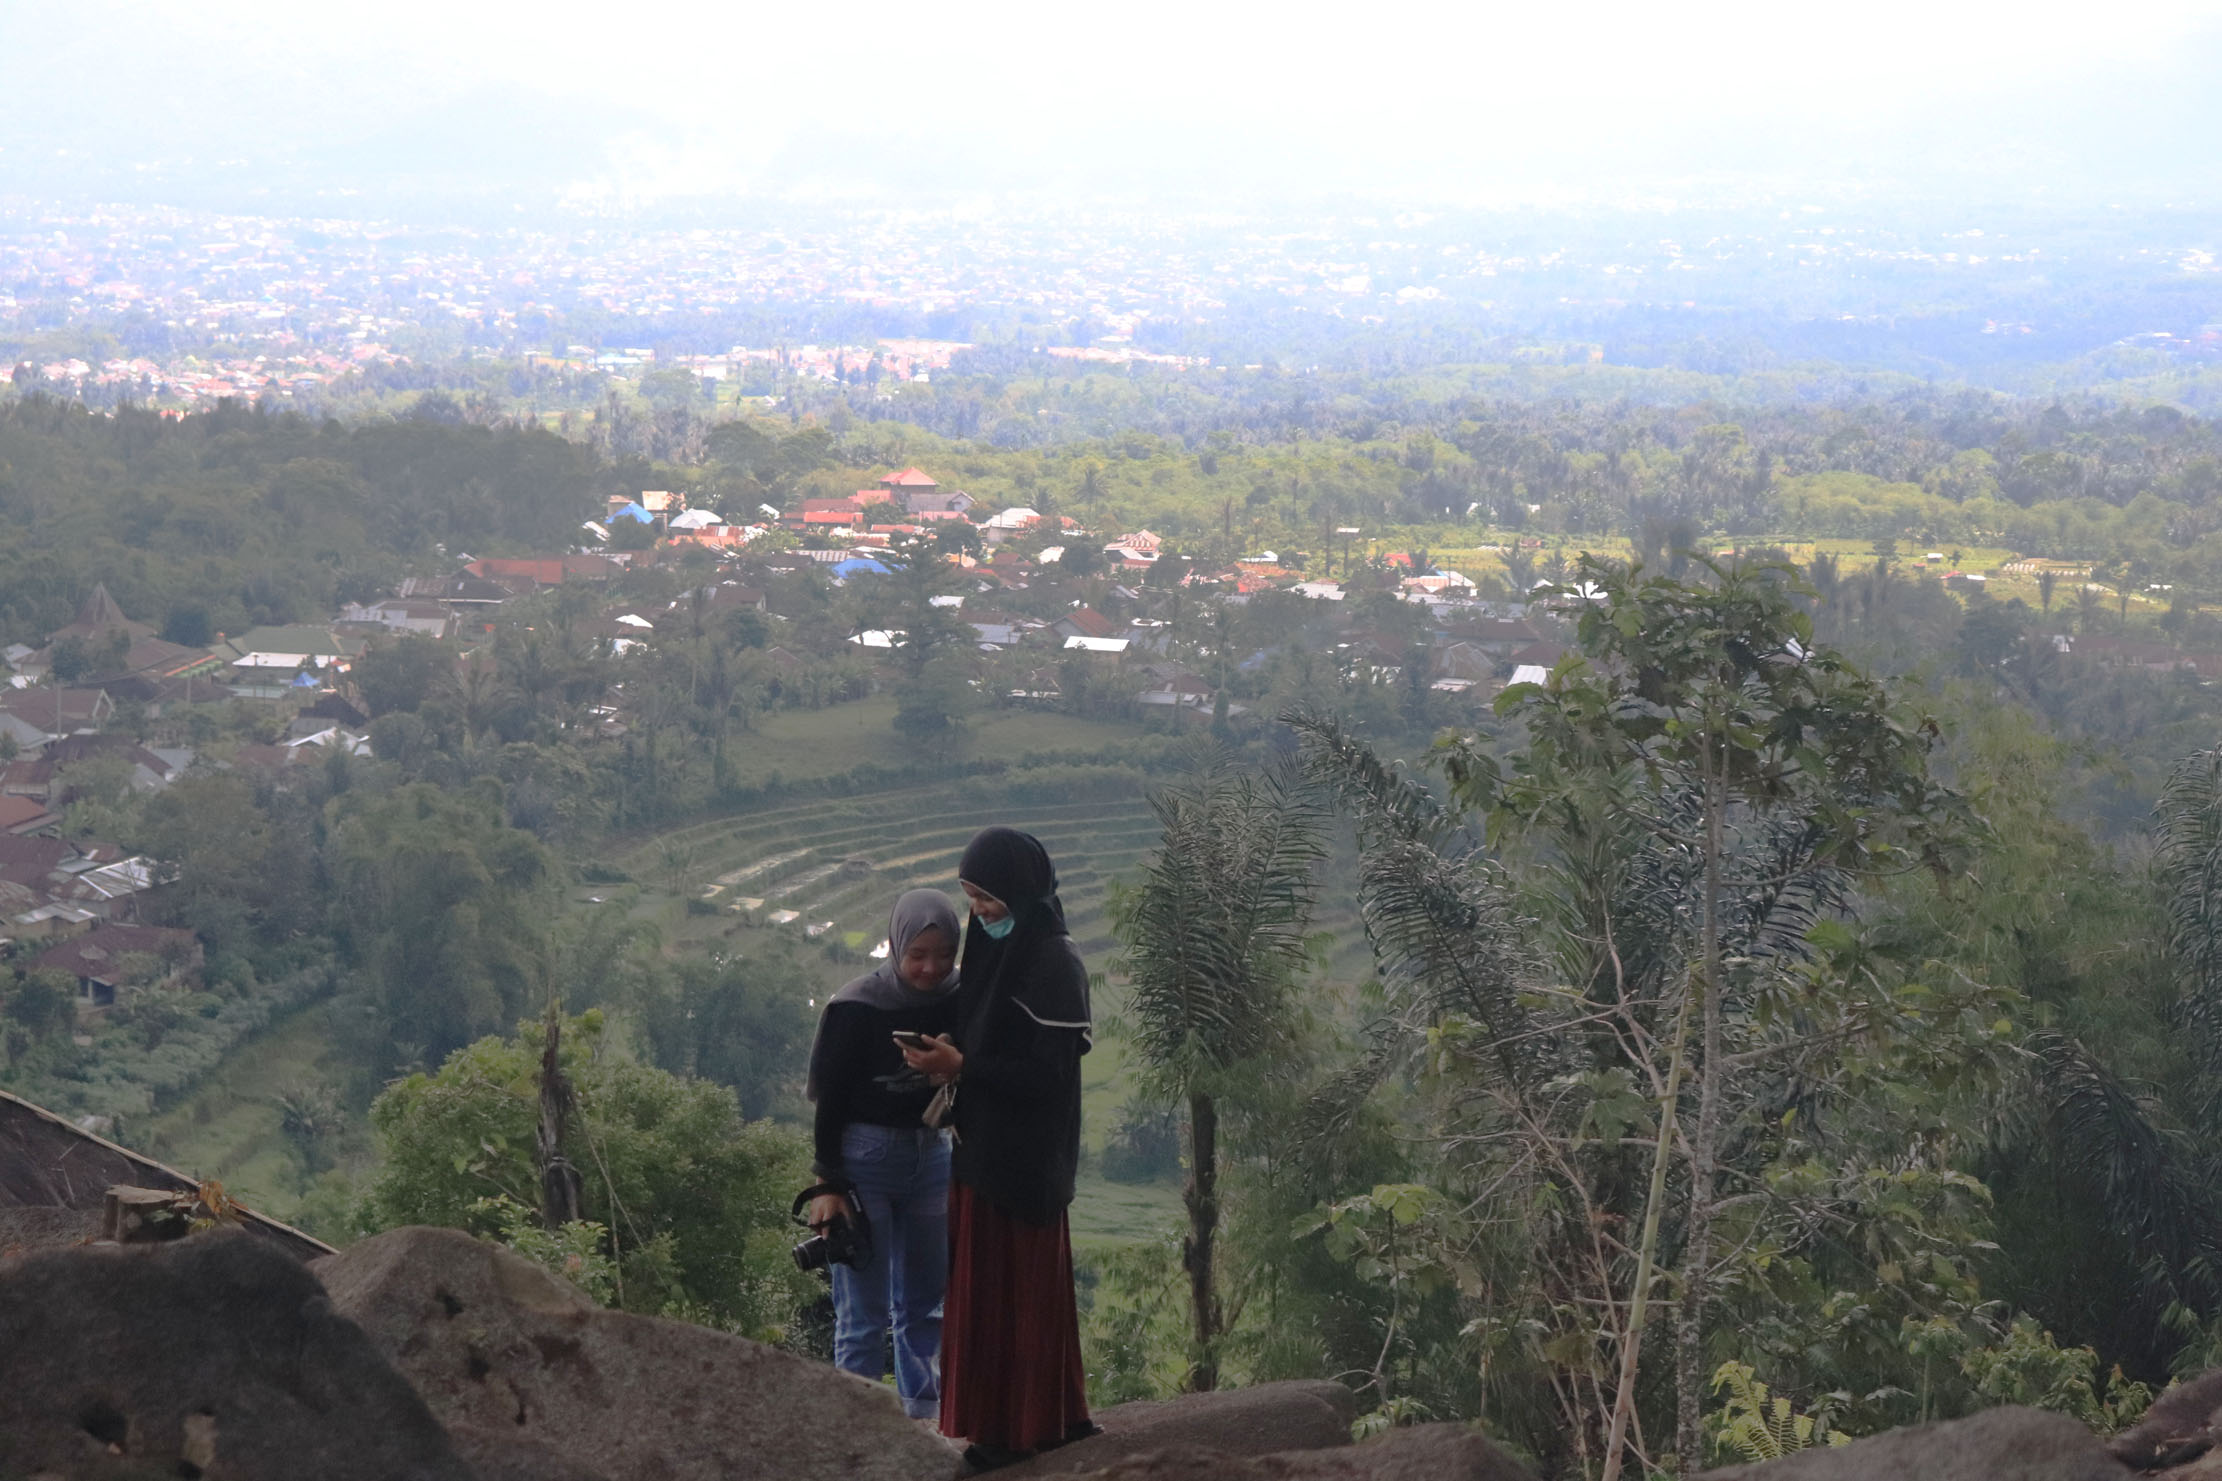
x=494, y=1342
x=217, y=1355
x=1309, y=1415
x=2011, y=1444
x=2184, y=1424
x=495, y=1456
x=1428, y=1452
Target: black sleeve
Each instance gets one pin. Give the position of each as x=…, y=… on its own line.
x=833, y=1070
x=1038, y=1047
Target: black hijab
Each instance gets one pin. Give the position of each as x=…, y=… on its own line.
x=1014, y=868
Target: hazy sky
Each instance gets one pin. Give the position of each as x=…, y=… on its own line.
x=1196, y=98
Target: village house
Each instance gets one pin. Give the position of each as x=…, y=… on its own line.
x=1085, y=622
x=23, y=816
x=278, y=662
x=34, y=715
x=113, y=959
x=462, y=593
x=117, y=647
x=1005, y=523
x=1176, y=688
x=524, y=574
x=420, y=615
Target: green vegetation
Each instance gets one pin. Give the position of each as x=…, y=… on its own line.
x=1803, y=964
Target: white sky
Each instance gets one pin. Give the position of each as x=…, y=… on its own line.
x=1185, y=87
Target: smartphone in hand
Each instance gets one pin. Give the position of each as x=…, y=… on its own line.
x=912, y=1039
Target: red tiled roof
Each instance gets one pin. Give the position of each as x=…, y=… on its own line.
x=545, y=570
x=28, y=861
x=18, y=812
x=910, y=478
x=1092, y=622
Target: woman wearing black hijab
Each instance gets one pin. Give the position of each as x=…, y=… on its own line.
x=870, y=1140
x=1012, y=1380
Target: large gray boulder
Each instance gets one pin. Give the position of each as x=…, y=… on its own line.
x=1428, y=1452
x=494, y=1342
x=2184, y=1424
x=2011, y=1444
x=1296, y=1415
x=217, y=1355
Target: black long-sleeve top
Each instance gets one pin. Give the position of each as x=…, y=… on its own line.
x=861, y=1076
x=1018, y=1103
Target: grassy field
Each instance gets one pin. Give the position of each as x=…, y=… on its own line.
x=799, y=744
x=1911, y=560
x=229, y=1128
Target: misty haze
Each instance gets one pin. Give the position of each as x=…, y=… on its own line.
x=893, y=742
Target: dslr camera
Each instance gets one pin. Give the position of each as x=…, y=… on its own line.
x=846, y=1241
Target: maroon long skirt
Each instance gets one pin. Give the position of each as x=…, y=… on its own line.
x=1010, y=1334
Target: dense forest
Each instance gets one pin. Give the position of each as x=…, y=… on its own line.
x=1815, y=976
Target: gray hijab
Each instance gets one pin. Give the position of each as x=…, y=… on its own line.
x=915, y=912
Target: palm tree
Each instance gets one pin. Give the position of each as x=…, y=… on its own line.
x=1213, y=936
x=2087, y=609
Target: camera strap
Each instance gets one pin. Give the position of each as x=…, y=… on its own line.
x=802, y=1200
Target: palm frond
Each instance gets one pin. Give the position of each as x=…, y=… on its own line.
x=2188, y=860
x=1219, y=923
x=2142, y=1171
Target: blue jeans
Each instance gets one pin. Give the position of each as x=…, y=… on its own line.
x=902, y=1176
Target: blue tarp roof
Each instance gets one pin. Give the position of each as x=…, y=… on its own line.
x=635, y=511
x=857, y=563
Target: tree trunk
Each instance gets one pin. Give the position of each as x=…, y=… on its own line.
x=1202, y=1198
x=1639, y=1295
x=560, y=1183
x=1689, y=1317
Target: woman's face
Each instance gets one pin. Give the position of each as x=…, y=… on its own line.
x=928, y=959
x=984, y=905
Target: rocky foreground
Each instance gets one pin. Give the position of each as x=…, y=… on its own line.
x=424, y=1355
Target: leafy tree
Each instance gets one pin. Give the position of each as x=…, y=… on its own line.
x=1213, y=936
x=691, y=1198
x=1713, y=697
x=742, y=1022
x=446, y=908
x=189, y=627
x=397, y=677
x=42, y=1003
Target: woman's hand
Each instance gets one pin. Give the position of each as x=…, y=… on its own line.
x=938, y=1059
x=826, y=1208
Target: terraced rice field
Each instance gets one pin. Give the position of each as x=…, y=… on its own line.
x=839, y=864
x=825, y=872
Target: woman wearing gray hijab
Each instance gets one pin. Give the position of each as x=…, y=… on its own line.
x=870, y=1138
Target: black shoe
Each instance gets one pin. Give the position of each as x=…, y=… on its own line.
x=984, y=1457
x=1087, y=1429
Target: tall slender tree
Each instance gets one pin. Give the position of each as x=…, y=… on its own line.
x=1212, y=938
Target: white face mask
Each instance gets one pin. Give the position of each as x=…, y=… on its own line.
x=997, y=929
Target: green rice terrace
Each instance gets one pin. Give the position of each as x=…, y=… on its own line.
x=818, y=876
x=825, y=871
